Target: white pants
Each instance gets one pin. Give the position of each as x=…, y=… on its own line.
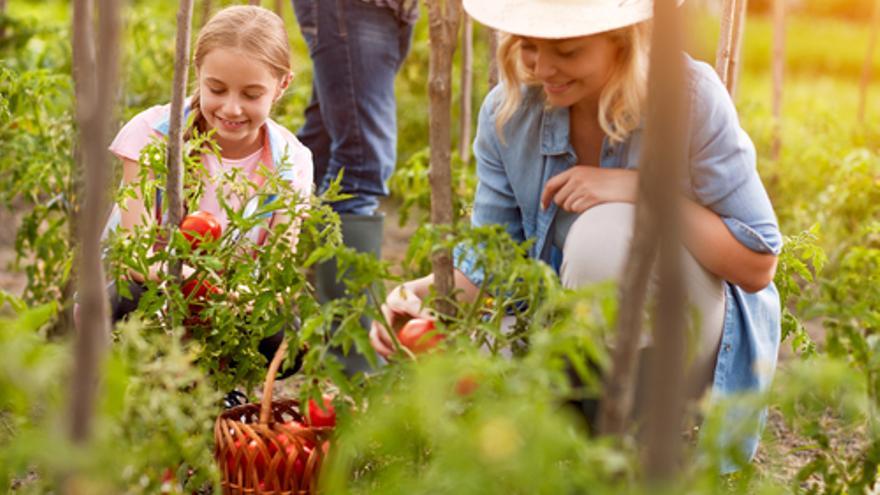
x=595, y=251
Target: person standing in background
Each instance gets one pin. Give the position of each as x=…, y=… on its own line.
x=357, y=48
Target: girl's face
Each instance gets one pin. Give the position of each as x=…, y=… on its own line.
x=237, y=93
x=571, y=70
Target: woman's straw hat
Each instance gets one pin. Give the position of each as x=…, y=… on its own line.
x=555, y=19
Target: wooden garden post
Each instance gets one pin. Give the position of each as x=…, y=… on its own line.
x=467, y=85
x=279, y=8
x=493, y=57
x=206, y=12
x=869, y=61
x=443, y=20
x=739, y=28
x=733, y=16
x=174, y=186
x=778, y=72
x=2, y=13
x=96, y=82
x=663, y=160
x=254, y=2
x=656, y=230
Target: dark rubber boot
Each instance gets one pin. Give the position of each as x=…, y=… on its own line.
x=364, y=234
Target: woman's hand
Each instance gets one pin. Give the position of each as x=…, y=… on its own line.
x=405, y=303
x=582, y=187
x=401, y=305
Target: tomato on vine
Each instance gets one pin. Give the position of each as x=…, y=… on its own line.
x=200, y=226
x=419, y=335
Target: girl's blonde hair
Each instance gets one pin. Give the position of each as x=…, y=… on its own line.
x=256, y=31
x=622, y=98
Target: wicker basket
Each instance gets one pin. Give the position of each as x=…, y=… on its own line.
x=259, y=450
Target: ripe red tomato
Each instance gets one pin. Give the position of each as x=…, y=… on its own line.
x=196, y=290
x=231, y=467
x=259, y=461
x=322, y=417
x=466, y=385
x=414, y=335
x=200, y=226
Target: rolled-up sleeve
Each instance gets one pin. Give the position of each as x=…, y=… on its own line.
x=723, y=174
x=494, y=202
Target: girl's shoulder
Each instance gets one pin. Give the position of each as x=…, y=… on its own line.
x=137, y=133
x=297, y=164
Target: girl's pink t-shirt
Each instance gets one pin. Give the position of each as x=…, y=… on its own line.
x=139, y=132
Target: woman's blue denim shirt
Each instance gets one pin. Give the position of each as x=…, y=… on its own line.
x=721, y=176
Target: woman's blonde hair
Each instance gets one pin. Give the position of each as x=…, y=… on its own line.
x=256, y=31
x=622, y=98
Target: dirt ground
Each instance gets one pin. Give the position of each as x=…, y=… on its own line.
x=781, y=455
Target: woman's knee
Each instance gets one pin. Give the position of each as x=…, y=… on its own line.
x=597, y=245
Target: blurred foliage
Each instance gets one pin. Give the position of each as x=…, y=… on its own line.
x=141, y=428
x=503, y=418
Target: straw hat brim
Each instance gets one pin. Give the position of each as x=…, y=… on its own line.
x=556, y=19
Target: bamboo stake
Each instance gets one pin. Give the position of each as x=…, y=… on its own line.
x=739, y=26
x=493, y=57
x=467, y=84
x=656, y=224
x=778, y=73
x=206, y=12
x=443, y=21
x=869, y=61
x=2, y=13
x=662, y=163
x=93, y=118
x=725, y=37
x=279, y=8
x=174, y=186
x=254, y=2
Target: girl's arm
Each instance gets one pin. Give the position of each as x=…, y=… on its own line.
x=134, y=211
x=135, y=214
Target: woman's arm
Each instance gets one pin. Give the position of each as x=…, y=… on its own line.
x=705, y=235
x=710, y=242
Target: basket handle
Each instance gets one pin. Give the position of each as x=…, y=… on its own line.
x=266, y=403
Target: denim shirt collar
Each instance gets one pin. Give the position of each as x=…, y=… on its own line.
x=556, y=138
x=555, y=131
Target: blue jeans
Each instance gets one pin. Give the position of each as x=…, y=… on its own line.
x=351, y=121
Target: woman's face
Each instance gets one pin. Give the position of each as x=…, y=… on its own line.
x=237, y=93
x=571, y=70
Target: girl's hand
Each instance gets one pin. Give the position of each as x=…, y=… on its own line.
x=582, y=187
x=401, y=305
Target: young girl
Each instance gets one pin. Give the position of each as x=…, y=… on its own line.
x=557, y=148
x=242, y=66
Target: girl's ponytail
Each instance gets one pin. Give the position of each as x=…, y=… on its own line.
x=198, y=120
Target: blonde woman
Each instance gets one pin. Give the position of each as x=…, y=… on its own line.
x=557, y=149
